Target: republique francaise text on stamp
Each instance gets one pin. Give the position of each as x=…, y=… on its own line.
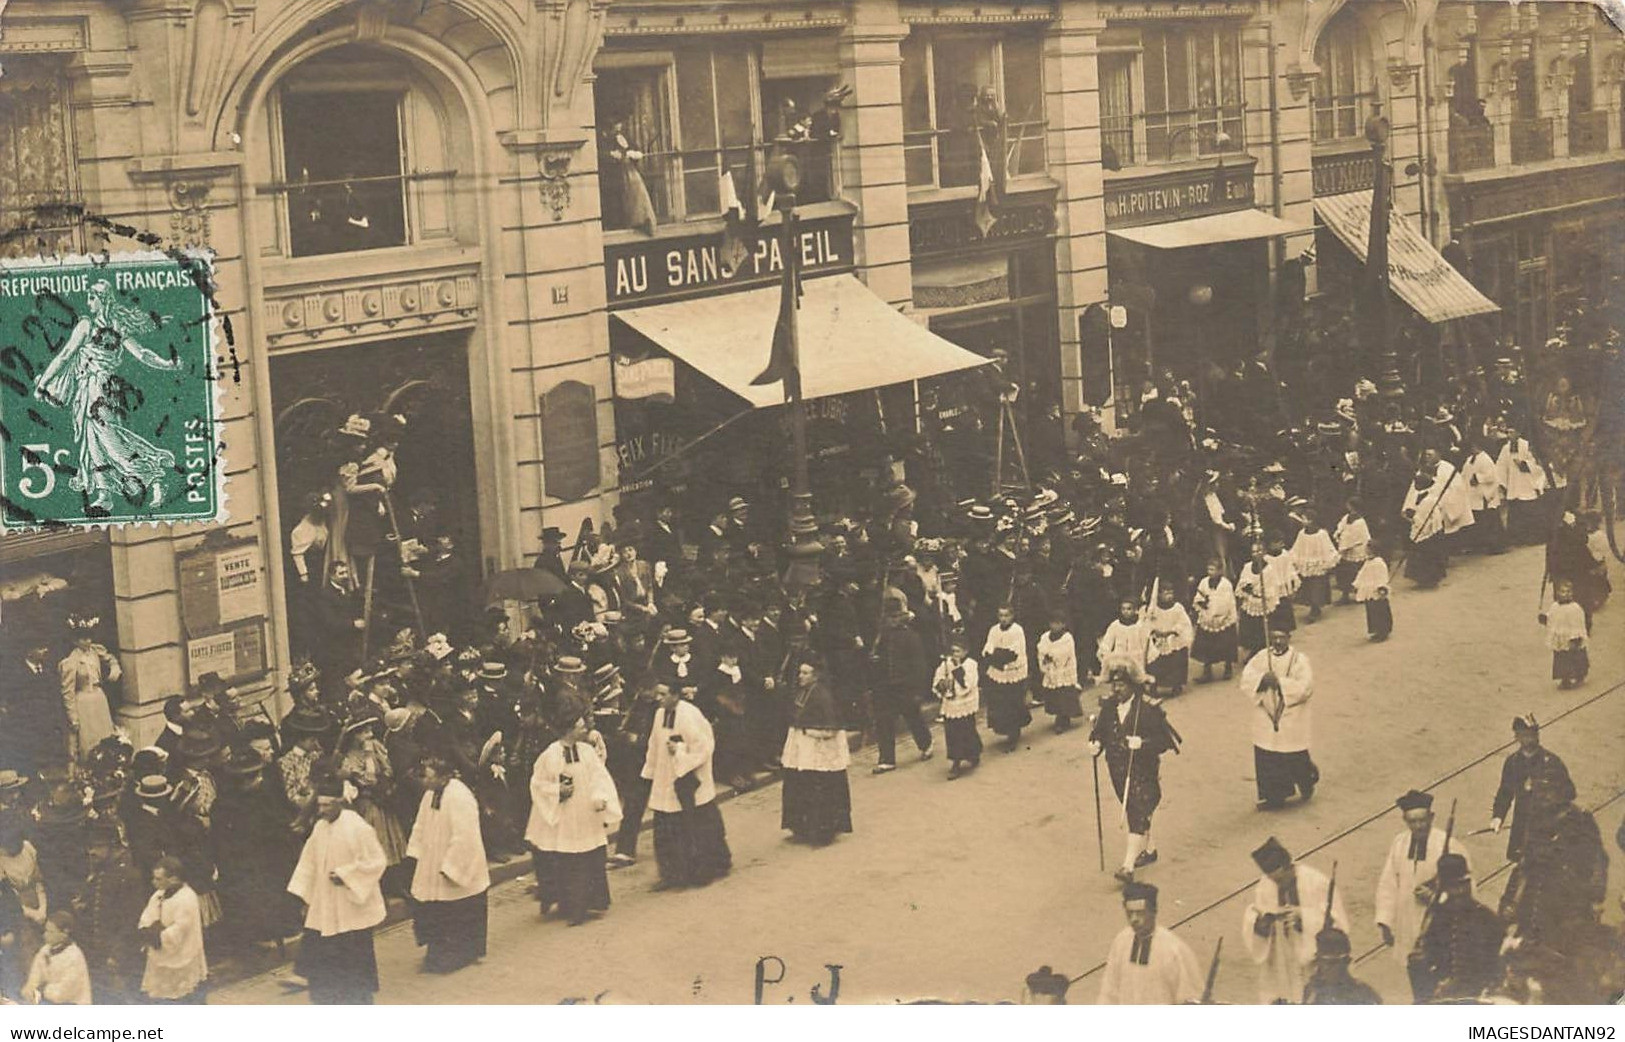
x=108, y=404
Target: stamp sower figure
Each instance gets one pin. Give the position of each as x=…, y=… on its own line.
x=83, y=378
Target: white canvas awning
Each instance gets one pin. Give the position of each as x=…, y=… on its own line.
x=1214, y=229
x=850, y=340
x=1416, y=271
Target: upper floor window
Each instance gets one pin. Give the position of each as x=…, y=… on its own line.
x=358, y=154
x=36, y=160
x=686, y=134
x=969, y=96
x=1170, y=92
x=1343, y=90
x=344, y=160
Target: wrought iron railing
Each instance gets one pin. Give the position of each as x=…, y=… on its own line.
x=1531, y=140
x=953, y=158
x=1193, y=133
x=1471, y=148
x=689, y=185
x=1588, y=132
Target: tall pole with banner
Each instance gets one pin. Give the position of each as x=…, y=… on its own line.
x=1379, y=343
x=803, y=548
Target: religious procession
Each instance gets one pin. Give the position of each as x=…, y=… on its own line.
x=879, y=502
x=639, y=673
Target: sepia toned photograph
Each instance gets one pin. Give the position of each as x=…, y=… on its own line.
x=796, y=503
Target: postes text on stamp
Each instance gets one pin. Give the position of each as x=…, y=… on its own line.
x=108, y=404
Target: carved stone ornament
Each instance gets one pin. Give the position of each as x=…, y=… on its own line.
x=1401, y=74
x=189, y=210
x=571, y=36
x=1301, y=81
x=555, y=164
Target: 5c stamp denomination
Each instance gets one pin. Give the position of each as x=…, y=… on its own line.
x=107, y=391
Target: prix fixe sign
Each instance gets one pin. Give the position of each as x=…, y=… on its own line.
x=649, y=270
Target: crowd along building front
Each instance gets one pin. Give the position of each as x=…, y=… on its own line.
x=535, y=236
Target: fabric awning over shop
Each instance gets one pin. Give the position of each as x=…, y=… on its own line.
x=1212, y=230
x=850, y=339
x=1416, y=271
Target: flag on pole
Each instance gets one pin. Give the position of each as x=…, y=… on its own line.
x=984, y=190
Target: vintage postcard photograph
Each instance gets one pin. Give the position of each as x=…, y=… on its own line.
x=791, y=503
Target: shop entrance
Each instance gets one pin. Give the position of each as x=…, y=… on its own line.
x=412, y=391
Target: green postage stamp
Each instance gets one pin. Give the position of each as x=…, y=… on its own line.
x=108, y=383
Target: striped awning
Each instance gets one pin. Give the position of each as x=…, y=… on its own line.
x=1418, y=273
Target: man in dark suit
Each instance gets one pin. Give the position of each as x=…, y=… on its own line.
x=33, y=718
x=339, y=624
x=574, y=603
x=551, y=559
x=664, y=546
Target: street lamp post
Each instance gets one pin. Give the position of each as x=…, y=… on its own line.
x=1378, y=337
x=803, y=547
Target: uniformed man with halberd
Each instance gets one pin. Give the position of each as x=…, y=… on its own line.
x=1457, y=955
x=1133, y=733
x=1529, y=763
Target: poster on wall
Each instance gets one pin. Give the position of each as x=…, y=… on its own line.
x=220, y=585
x=237, y=654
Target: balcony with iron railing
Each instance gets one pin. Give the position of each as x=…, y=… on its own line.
x=1171, y=137
x=1588, y=132
x=688, y=185
x=952, y=158
x=1471, y=148
x=1531, y=140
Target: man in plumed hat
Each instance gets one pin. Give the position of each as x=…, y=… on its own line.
x=1290, y=904
x=1147, y=964
x=1406, y=886
x=1524, y=767
x=1457, y=953
x=1133, y=733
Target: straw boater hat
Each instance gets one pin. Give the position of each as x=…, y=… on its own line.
x=493, y=671
x=154, y=787
x=676, y=637
x=570, y=665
